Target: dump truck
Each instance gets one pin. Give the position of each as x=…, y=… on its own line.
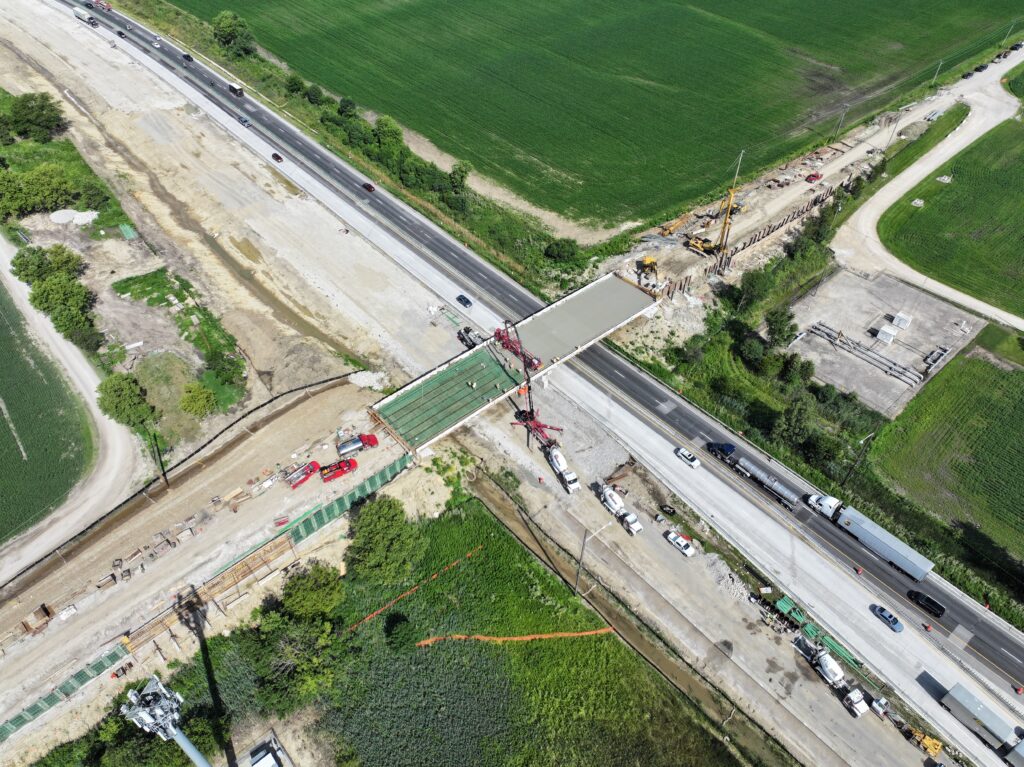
x=356, y=444
x=568, y=478
x=85, y=16
x=872, y=536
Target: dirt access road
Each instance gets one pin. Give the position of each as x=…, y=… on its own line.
x=118, y=464
x=857, y=244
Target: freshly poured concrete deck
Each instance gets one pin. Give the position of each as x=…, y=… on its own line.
x=440, y=401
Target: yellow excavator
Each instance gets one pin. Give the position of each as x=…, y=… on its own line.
x=648, y=265
x=675, y=224
x=725, y=212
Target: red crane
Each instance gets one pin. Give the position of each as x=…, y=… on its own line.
x=508, y=337
x=528, y=417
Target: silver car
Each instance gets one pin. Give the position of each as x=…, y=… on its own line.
x=888, y=618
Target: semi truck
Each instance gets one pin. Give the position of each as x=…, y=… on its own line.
x=829, y=669
x=86, y=17
x=873, y=537
x=980, y=719
x=347, y=447
x=613, y=502
x=568, y=478
x=785, y=495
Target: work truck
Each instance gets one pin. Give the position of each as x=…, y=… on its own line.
x=85, y=16
x=353, y=445
x=568, y=478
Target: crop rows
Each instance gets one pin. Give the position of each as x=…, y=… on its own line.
x=45, y=438
x=958, y=448
x=969, y=231
x=614, y=111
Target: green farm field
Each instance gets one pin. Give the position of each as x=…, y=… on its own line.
x=607, y=111
x=46, y=440
x=969, y=232
x=958, y=447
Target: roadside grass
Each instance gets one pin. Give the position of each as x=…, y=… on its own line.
x=40, y=415
x=198, y=325
x=163, y=376
x=609, y=122
x=968, y=233
x=379, y=700
x=25, y=155
x=958, y=447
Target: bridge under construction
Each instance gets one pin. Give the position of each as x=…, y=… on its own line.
x=442, y=400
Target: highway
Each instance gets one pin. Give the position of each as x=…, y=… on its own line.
x=1000, y=648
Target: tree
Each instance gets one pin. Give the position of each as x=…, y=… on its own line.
x=562, y=250
x=294, y=85
x=315, y=95
x=232, y=32
x=313, y=592
x=198, y=400
x=30, y=264
x=46, y=187
x=383, y=541
x=781, y=328
x=346, y=107
x=755, y=286
x=459, y=173
x=60, y=292
x=64, y=259
x=123, y=399
x=752, y=351
x=35, y=116
x=227, y=370
x=796, y=423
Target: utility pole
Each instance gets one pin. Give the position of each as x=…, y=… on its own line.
x=1008, y=33
x=839, y=125
x=892, y=135
x=587, y=535
x=866, y=442
x=936, y=73
x=158, y=710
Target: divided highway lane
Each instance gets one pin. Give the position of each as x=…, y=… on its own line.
x=633, y=389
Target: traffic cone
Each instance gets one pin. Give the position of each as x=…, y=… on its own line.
x=927, y=627
x=860, y=571
x=1020, y=691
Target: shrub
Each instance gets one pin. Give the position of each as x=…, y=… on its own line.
x=122, y=397
x=198, y=400
x=562, y=250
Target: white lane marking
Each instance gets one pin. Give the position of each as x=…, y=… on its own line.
x=1011, y=655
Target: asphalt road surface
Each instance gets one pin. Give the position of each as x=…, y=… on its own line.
x=997, y=647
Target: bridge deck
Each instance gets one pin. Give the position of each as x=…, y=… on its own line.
x=438, y=402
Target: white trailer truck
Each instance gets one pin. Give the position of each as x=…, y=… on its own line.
x=85, y=16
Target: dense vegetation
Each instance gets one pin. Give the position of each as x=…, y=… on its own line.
x=383, y=701
x=969, y=231
x=602, y=111
x=958, y=447
x=40, y=173
x=45, y=437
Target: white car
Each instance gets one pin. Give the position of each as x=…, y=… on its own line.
x=612, y=501
x=156, y=42
x=687, y=457
x=680, y=542
x=631, y=523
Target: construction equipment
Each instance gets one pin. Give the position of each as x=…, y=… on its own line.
x=726, y=210
x=508, y=337
x=929, y=745
x=675, y=224
x=648, y=265
x=528, y=417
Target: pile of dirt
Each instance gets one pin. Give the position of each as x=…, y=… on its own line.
x=725, y=578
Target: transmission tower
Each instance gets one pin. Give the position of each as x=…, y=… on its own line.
x=158, y=710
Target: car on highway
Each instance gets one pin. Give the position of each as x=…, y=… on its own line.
x=369, y=187
x=687, y=457
x=337, y=469
x=187, y=57
x=631, y=522
x=277, y=158
x=121, y=34
x=156, y=41
x=927, y=603
x=887, y=618
x=814, y=178
x=463, y=300
x=245, y=121
x=681, y=542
